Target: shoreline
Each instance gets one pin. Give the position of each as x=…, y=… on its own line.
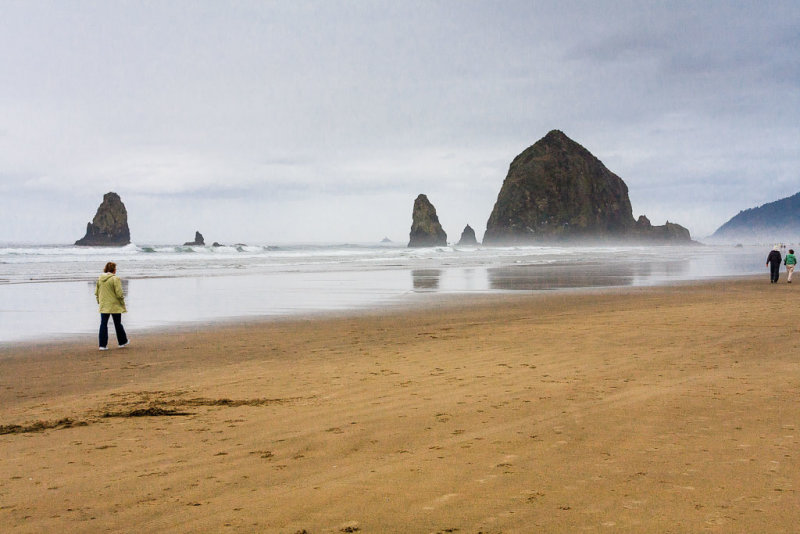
x=230, y=287
x=664, y=408
x=397, y=304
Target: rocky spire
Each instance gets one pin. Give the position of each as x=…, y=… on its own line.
x=109, y=228
x=468, y=237
x=425, y=228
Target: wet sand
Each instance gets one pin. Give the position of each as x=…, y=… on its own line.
x=667, y=409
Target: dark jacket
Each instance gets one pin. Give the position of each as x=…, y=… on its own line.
x=774, y=257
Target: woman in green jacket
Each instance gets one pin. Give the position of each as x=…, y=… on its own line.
x=111, y=300
x=790, y=261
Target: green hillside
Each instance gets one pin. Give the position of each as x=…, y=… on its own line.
x=776, y=221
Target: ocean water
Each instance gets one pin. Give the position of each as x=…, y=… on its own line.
x=47, y=292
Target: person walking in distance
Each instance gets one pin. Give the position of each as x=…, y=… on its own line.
x=111, y=301
x=790, y=261
x=774, y=263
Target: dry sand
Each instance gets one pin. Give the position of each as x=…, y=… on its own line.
x=670, y=409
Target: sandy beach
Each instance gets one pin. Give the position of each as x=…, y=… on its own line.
x=666, y=409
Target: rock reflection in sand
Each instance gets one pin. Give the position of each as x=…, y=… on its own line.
x=538, y=277
x=586, y=275
x=426, y=279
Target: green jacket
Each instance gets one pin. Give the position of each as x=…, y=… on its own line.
x=790, y=260
x=108, y=292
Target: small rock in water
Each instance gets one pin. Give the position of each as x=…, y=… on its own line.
x=198, y=241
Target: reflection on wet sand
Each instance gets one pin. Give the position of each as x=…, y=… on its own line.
x=426, y=279
x=571, y=275
x=67, y=308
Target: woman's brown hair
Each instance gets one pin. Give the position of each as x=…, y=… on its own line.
x=111, y=267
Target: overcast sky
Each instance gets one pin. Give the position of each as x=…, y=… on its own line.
x=287, y=121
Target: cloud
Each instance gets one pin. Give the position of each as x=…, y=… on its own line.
x=263, y=103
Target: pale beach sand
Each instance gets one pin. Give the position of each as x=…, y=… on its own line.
x=667, y=409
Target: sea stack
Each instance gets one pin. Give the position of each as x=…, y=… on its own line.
x=198, y=241
x=668, y=232
x=109, y=228
x=557, y=191
x=425, y=228
x=468, y=237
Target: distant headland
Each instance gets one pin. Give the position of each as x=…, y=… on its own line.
x=774, y=221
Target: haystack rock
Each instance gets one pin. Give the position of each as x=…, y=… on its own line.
x=198, y=241
x=557, y=191
x=425, y=228
x=468, y=237
x=109, y=228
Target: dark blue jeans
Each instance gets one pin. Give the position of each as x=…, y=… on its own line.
x=774, y=271
x=122, y=338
